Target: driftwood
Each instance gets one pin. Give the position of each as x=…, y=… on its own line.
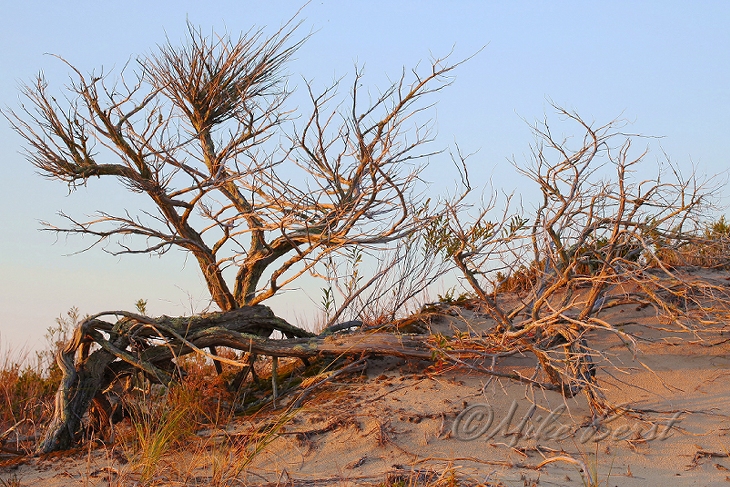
x=136, y=343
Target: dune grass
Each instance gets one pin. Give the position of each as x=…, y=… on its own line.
x=27, y=391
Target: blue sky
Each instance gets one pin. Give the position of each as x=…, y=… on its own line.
x=663, y=66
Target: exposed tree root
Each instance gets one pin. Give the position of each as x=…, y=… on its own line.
x=137, y=343
x=102, y=353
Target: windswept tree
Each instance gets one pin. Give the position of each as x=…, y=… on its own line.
x=256, y=192
x=597, y=238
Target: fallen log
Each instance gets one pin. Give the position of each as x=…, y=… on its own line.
x=102, y=352
x=137, y=343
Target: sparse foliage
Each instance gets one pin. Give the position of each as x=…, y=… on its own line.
x=141, y=306
x=592, y=241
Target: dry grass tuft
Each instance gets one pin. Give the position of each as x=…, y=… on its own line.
x=27, y=392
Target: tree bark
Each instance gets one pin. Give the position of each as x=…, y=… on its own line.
x=127, y=346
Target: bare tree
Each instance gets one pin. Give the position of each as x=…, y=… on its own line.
x=257, y=193
x=201, y=130
x=593, y=241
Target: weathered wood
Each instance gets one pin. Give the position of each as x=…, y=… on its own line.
x=257, y=320
x=80, y=384
x=150, y=345
x=352, y=344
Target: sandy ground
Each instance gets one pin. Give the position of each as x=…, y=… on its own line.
x=403, y=417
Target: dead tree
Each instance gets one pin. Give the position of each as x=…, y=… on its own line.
x=256, y=193
x=102, y=352
x=198, y=129
x=593, y=241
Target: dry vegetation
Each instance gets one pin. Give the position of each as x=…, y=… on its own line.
x=192, y=131
x=166, y=422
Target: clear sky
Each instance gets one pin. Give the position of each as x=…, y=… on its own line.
x=662, y=65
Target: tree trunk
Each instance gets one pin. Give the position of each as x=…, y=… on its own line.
x=80, y=384
x=125, y=347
